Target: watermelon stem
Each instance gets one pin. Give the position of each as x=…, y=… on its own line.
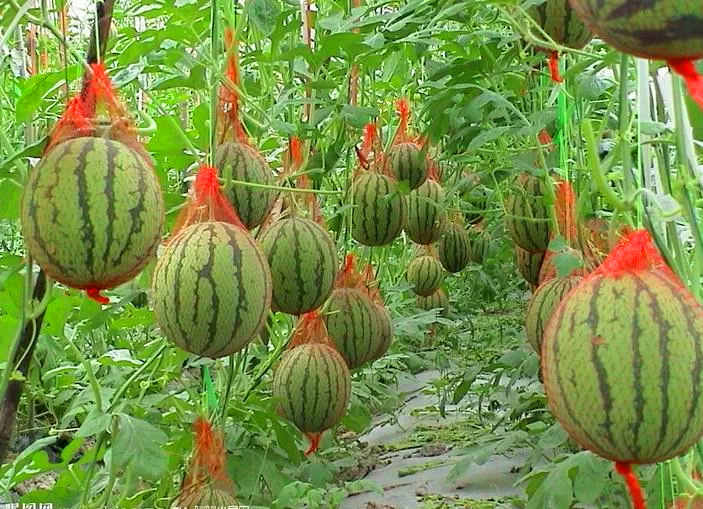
x=554, y=67
x=94, y=293
x=694, y=81
x=633, y=484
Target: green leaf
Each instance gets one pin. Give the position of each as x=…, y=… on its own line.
x=139, y=445
x=263, y=14
x=38, y=87
x=358, y=418
x=10, y=203
x=95, y=422
x=488, y=136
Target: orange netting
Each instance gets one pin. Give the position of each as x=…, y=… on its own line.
x=370, y=155
x=228, y=115
x=349, y=277
x=687, y=69
x=206, y=202
x=633, y=484
x=565, y=210
x=554, y=67
x=372, y=285
x=207, y=466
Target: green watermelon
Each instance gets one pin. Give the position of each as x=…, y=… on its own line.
x=473, y=196
x=407, y=164
x=622, y=359
x=379, y=210
x=385, y=337
x=656, y=29
x=480, y=241
x=541, y=306
x=454, y=248
x=245, y=163
x=527, y=219
x=426, y=217
x=92, y=213
x=212, y=289
x=303, y=261
x=437, y=300
x=558, y=20
x=353, y=325
x=426, y=274
x=529, y=264
x=313, y=385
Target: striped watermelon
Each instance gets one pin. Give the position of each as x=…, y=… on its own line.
x=529, y=264
x=406, y=163
x=353, y=325
x=303, y=261
x=426, y=217
x=622, y=359
x=437, y=300
x=426, y=274
x=527, y=219
x=560, y=23
x=385, y=337
x=245, y=163
x=313, y=385
x=454, y=248
x=379, y=210
x=543, y=302
x=92, y=213
x=212, y=289
x=655, y=29
x=480, y=241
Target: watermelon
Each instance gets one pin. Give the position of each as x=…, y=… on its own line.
x=313, y=385
x=426, y=275
x=353, y=325
x=212, y=289
x=480, y=241
x=303, y=261
x=426, y=218
x=473, y=196
x=379, y=210
x=92, y=213
x=541, y=306
x=557, y=19
x=407, y=164
x=244, y=163
x=529, y=264
x=385, y=337
x=454, y=248
x=622, y=359
x=527, y=219
x=437, y=300
x=655, y=29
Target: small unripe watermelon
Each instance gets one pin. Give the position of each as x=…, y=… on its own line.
x=379, y=210
x=454, y=248
x=438, y=300
x=353, y=325
x=407, y=164
x=303, y=261
x=622, y=359
x=246, y=164
x=92, y=213
x=541, y=306
x=559, y=22
x=426, y=217
x=426, y=274
x=529, y=264
x=212, y=289
x=313, y=384
x=526, y=217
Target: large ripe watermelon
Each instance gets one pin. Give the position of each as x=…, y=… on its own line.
x=622, y=359
x=529, y=264
x=313, y=385
x=379, y=210
x=303, y=261
x=245, y=163
x=454, y=248
x=541, y=306
x=437, y=300
x=557, y=19
x=407, y=164
x=526, y=217
x=656, y=29
x=426, y=215
x=92, y=213
x=426, y=274
x=353, y=325
x=212, y=289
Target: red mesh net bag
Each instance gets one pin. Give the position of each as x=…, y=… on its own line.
x=206, y=482
x=636, y=253
x=687, y=69
x=370, y=155
x=402, y=135
x=371, y=285
x=350, y=277
x=230, y=125
x=206, y=202
x=565, y=210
